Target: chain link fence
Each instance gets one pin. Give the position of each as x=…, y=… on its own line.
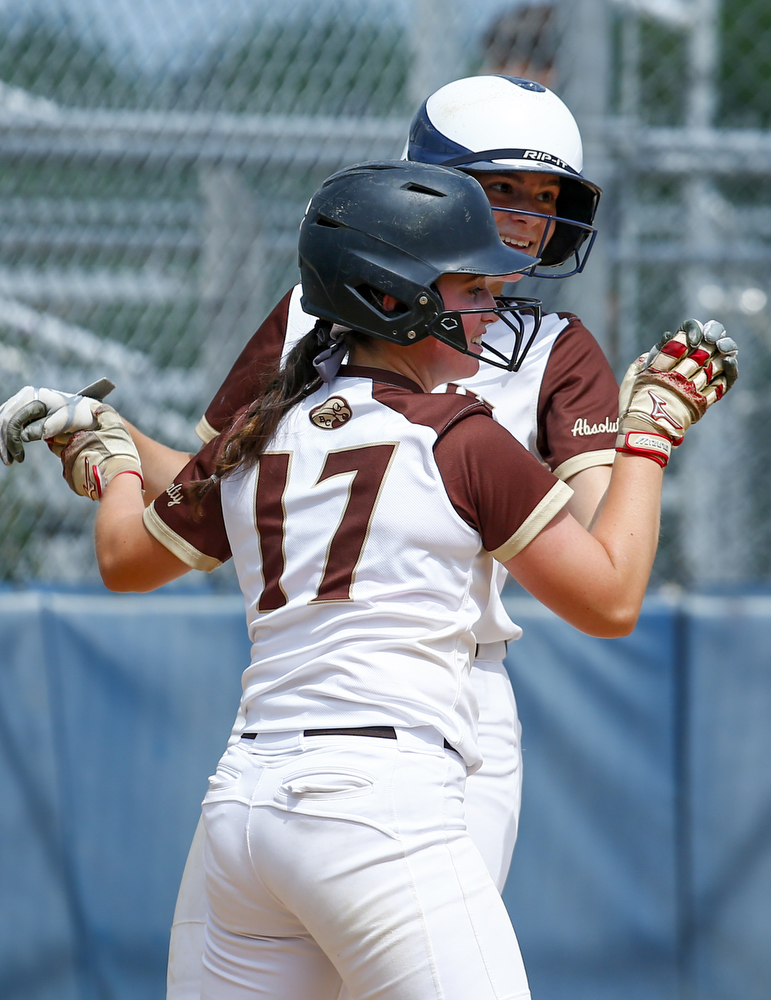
x=155, y=161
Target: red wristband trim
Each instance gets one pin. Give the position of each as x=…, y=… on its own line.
x=130, y=472
x=654, y=446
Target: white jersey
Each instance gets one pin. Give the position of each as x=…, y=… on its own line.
x=574, y=431
x=358, y=543
x=515, y=399
x=557, y=406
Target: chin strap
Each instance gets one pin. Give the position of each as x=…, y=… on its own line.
x=335, y=347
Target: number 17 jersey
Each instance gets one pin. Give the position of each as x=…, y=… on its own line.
x=355, y=539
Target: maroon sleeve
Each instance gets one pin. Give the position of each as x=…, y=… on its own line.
x=471, y=456
x=196, y=534
x=578, y=402
x=242, y=383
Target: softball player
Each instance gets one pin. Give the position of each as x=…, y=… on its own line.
x=561, y=404
x=336, y=841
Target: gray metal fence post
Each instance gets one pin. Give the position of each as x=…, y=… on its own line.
x=583, y=81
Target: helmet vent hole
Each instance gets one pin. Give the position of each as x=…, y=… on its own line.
x=327, y=223
x=420, y=189
x=375, y=296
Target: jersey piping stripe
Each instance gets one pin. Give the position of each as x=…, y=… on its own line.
x=177, y=545
x=545, y=512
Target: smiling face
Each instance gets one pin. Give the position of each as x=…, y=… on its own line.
x=459, y=291
x=468, y=291
x=522, y=192
x=431, y=362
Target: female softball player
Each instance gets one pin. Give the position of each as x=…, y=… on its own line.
x=561, y=404
x=358, y=507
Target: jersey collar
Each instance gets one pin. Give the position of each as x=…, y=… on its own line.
x=380, y=375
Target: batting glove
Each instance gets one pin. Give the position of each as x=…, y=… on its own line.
x=670, y=388
x=33, y=414
x=92, y=458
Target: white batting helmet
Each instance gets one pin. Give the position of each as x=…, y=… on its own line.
x=501, y=123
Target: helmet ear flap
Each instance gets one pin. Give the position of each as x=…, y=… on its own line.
x=366, y=302
x=576, y=207
x=448, y=327
x=578, y=200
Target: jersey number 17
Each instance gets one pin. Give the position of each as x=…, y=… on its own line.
x=369, y=466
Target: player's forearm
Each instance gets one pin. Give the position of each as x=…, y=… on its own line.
x=128, y=556
x=627, y=525
x=160, y=464
x=596, y=580
x=611, y=569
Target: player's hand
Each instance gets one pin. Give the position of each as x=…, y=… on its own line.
x=33, y=414
x=92, y=458
x=672, y=387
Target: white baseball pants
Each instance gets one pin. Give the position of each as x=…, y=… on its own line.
x=492, y=805
x=347, y=857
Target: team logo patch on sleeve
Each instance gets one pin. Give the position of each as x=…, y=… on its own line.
x=333, y=413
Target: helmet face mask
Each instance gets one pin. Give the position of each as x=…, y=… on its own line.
x=565, y=244
x=393, y=228
x=509, y=125
x=448, y=327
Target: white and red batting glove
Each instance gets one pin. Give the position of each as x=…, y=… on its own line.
x=665, y=392
x=36, y=414
x=92, y=458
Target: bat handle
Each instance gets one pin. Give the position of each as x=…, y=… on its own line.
x=99, y=389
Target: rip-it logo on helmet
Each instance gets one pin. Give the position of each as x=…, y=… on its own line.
x=500, y=124
x=536, y=154
x=494, y=155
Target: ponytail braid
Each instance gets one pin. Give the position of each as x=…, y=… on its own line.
x=281, y=388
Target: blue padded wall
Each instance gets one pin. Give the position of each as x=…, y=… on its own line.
x=643, y=867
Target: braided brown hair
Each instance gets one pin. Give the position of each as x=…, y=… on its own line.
x=280, y=388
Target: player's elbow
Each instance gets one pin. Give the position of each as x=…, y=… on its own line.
x=137, y=568
x=615, y=629
x=612, y=620
x=121, y=569
x=120, y=578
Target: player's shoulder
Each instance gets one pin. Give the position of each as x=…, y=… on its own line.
x=438, y=410
x=286, y=322
x=297, y=321
x=571, y=329
x=464, y=396
x=442, y=411
x=267, y=342
x=573, y=342
x=283, y=309
x=560, y=331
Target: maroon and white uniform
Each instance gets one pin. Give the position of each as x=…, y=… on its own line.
x=561, y=406
x=373, y=507
x=357, y=541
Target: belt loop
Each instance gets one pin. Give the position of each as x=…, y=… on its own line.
x=275, y=742
x=491, y=650
x=422, y=738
